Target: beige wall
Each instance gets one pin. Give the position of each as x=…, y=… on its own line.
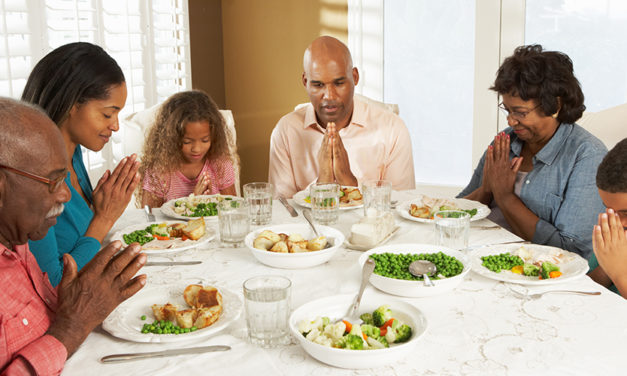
x=263, y=45
x=205, y=34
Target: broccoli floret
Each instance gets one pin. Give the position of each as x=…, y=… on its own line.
x=548, y=267
x=370, y=331
x=381, y=315
x=403, y=333
x=367, y=318
x=351, y=342
x=150, y=229
x=531, y=270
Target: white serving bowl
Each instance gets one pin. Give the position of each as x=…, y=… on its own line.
x=296, y=260
x=416, y=289
x=335, y=307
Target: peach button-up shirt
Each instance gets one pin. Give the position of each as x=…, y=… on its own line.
x=376, y=140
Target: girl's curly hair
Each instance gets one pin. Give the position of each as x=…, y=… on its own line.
x=162, y=147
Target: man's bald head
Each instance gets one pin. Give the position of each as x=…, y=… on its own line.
x=330, y=78
x=328, y=48
x=31, y=143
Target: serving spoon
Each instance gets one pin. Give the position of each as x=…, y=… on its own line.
x=423, y=268
x=307, y=215
x=366, y=271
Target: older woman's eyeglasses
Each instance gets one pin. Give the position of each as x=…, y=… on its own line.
x=53, y=185
x=516, y=115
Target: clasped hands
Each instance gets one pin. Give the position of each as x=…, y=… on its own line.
x=609, y=241
x=499, y=171
x=333, y=164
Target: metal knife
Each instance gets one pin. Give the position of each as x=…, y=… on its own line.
x=289, y=207
x=193, y=350
x=170, y=263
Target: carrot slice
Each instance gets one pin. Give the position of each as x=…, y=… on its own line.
x=349, y=326
x=555, y=274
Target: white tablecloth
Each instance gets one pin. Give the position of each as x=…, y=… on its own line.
x=480, y=328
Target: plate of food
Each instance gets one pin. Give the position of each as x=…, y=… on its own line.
x=182, y=312
x=422, y=208
x=194, y=206
x=166, y=237
x=528, y=264
x=350, y=198
x=389, y=329
x=391, y=273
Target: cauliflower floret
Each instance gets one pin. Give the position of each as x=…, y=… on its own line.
x=323, y=340
x=335, y=331
x=390, y=336
x=313, y=334
x=306, y=326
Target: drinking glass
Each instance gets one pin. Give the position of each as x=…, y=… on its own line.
x=267, y=302
x=451, y=228
x=377, y=197
x=234, y=221
x=325, y=202
x=259, y=196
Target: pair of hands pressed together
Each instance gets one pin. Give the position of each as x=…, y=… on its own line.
x=609, y=242
x=87, y=297
x=203, y=187
x=111, y=196
x=499, y=172
x=333, y=159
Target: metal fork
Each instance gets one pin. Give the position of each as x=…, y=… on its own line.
x=539, y=295
x=149, y=215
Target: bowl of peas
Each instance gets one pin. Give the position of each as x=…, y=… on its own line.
x=391, y=273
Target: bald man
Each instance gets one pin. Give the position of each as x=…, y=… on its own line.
x=337, y=138
x=41, y=326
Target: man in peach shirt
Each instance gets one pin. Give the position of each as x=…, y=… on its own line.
x=336, y=137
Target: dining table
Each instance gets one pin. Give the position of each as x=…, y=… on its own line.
x=479, y=328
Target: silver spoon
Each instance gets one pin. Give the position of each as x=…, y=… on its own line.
x=307, y=215
x=366, y=271
x=423, y=268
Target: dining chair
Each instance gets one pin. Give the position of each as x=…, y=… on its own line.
x=609, y=125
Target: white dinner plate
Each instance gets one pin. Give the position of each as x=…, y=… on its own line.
x=299, y=198
x=168, y=207
x=482, y=210
x=573, y=266
x=125, y=321
x=165, y=246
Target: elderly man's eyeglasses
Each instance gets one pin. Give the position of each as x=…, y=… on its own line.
x=53, y=185
x=516, y=115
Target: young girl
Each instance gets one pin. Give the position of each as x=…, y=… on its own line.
x=186, y=151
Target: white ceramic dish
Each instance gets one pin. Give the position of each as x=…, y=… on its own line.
x=156, y=247
x=573, y=266
x=125, y=321
x=168, y=207
x=482, y=210
x=416, y=289
x=335, y=307
x=367, y=248
x=299, y=198
x=296, y=260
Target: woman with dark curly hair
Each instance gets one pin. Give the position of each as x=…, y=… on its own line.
x=539, y=174
x=186, y=151
x=82, y=89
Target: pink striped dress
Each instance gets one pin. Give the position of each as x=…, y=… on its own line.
x=176, y=185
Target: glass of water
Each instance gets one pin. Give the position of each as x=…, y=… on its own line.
x=325, y=202
x=377, y=197
x=267, y=302
x=234, y=221
x=451, y=228
x=259, y=196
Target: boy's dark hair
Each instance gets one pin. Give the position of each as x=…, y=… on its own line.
x=612, y=172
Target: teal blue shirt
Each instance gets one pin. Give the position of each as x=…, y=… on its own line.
x=67, y=236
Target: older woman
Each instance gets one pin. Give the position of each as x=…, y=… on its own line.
x=82, y=89
x=539, y=174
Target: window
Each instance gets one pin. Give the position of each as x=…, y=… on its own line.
x=148, y=39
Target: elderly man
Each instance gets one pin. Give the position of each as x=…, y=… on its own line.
x=40, y=326
x=336, y=137
x=609, y=237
